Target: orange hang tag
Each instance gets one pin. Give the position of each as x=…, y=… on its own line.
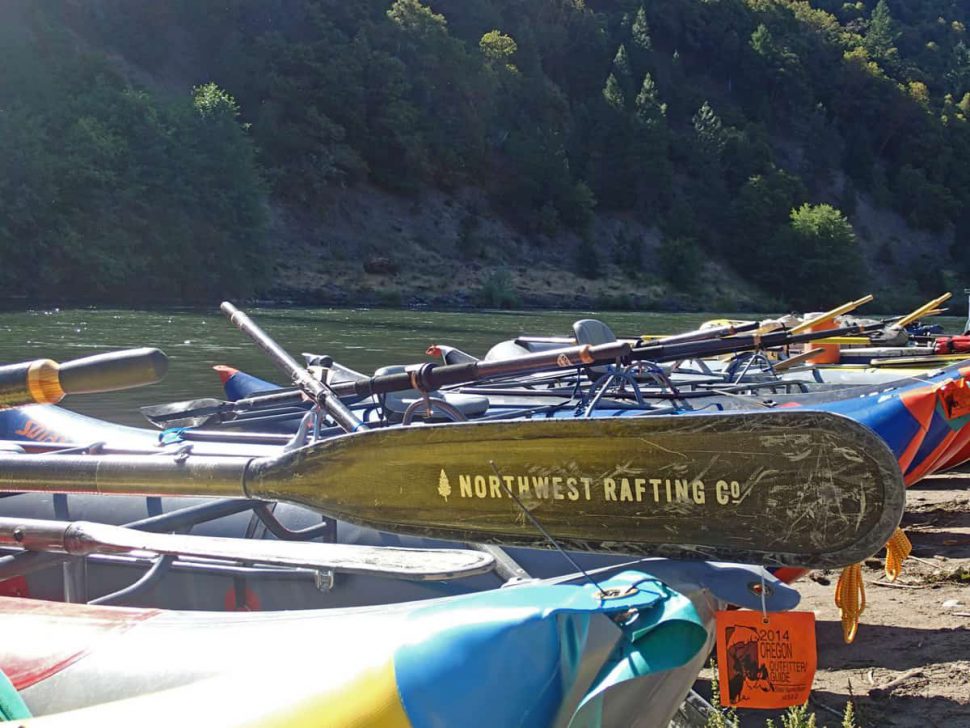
x=765, y=661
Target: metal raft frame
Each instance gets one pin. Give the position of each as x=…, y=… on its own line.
x=183, y=520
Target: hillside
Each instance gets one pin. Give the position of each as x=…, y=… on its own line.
x=674, y=153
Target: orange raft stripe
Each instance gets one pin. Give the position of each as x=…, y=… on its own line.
x=950, y=399
x=43, y=382
x=921, y=403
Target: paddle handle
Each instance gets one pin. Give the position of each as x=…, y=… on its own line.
x=44, y=381
x=794, y=361
x=320, y=392
x=829, y=315
x=922, y=311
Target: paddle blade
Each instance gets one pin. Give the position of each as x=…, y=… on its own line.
x=193, y=413
x=806, y=489
x=46, y=382
x=208, y=411
x=113, y=371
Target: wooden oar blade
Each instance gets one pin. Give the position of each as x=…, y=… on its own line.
x=795, y=488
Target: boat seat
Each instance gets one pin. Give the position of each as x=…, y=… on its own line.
x=593, y=333
x=470, y=405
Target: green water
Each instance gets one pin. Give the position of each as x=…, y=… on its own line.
x=363, y=339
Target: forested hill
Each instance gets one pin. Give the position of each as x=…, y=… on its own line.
x=703, y=153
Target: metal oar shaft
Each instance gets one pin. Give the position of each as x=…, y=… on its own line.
x=706, y=334
x=730, y=345
x=430, y=376
x=425, y=377
x=80, y=538
x=321, y=393
x=124, y=474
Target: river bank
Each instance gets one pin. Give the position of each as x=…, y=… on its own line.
x=909, y=666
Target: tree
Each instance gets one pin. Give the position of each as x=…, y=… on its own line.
x=647, y=107
x=817, y=257
x=640, y=32
x=413, y=17
x=650, y=146
x=623, y=72
x=761, y=207
x=680, y=260
x=498, y=48
x=613, y=94
x=762, y=42
x=709, y=130
x=958, y=75
x=964, y=105
x=881, y=35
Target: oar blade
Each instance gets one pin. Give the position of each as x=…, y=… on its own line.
x=792, y=488
x=193, y=413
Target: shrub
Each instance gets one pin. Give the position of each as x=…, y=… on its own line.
x=498, y=290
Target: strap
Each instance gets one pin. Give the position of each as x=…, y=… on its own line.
x=850, y=598
x=850, y=592
x=897, y=551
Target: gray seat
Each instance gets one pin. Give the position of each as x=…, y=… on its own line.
x=593, y=332
x=470, y=405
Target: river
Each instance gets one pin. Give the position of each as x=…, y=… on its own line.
x=362, y=339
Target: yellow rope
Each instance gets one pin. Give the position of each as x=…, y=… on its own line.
x=850, y=598
x=850, y=591
x=897, y=551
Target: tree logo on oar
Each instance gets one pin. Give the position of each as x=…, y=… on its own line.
x=444, y=485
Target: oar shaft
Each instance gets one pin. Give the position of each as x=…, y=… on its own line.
x=714, y=332
x=730, y=345
x=320, y=392
x=124, y=474
x=262, y=401
x=81, y=538
x=431, y=376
